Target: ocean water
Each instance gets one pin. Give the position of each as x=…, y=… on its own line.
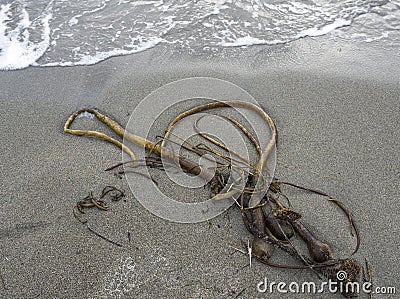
x=66, y=33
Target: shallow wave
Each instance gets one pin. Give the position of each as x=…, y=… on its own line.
x=65, y=33
x=22, y=40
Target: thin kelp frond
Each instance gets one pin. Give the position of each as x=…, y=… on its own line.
x=341, y=205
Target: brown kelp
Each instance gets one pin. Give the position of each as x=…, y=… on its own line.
x=273, y=224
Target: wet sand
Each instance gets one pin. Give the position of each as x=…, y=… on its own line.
x=336, y=107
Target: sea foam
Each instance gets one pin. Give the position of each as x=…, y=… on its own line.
x=17, y=50
x=65, y=33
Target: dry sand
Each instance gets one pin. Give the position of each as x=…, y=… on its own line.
x=336, y=106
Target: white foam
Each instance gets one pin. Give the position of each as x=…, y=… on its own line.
x=249, y=41
x=100, y=56
x=17, y=51
x=243, y=41
x=73, y=21
x=89, y=59
x=156, y=3
x=315, y=31
x=85, y=115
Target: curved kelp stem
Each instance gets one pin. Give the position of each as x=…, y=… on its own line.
x=120, y=131
x=267, y=149
x=103, y=136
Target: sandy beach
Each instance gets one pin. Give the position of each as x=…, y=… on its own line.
x=336, y=107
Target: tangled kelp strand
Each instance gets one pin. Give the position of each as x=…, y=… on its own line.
x=270, y=231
